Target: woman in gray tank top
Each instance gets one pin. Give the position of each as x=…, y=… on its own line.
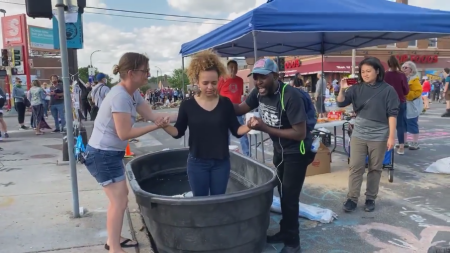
x=113, y=127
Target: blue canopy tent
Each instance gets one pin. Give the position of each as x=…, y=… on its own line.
x=307, y=27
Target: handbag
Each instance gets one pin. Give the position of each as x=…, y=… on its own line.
x=26, y=102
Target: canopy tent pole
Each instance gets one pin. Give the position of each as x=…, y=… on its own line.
x=321, y=96
x=184, y=90
x=353, y=61
x=255, y=51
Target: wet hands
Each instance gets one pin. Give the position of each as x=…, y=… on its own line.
x=256, y=123
x=162, y=122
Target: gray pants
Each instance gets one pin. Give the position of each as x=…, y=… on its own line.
x=359, y=150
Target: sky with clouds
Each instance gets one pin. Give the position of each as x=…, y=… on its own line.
x=159, y=39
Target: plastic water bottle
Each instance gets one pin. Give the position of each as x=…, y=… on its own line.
x=315, y=145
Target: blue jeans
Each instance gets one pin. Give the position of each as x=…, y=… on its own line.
x=58, y=113
x=45, y=103
x=244, y=139
x=208, y=176
x=401, y=123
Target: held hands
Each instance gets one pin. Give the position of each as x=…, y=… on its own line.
x=162, y=122
x=256, y=123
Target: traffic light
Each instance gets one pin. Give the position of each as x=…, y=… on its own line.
x=5, y=58
x=17, y=57
x=43, y=8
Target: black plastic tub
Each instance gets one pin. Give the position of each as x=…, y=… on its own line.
x=235, y=222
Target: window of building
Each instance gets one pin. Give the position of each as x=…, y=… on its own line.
x=432, y=42
x=412, y=43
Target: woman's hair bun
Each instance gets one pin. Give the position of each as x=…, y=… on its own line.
x=115, y=69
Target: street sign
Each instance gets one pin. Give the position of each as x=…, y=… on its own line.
x=91, y=71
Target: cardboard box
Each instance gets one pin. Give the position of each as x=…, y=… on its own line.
x=321, y=163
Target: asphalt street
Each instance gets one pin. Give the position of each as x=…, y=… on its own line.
x=412, y=213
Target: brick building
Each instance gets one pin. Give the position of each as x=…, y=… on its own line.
x=430, y=56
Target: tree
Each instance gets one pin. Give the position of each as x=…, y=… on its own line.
x=83, y=74
x=176, y=81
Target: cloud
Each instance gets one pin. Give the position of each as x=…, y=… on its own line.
x=209, y=7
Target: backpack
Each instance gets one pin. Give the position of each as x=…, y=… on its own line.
x=309, y=108
x=91, y=96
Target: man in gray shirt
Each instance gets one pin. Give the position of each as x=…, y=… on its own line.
x=98, y=94
x=321, y=86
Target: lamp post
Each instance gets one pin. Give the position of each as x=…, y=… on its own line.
x=3, y=11
x=157, y=76
x=91, y=56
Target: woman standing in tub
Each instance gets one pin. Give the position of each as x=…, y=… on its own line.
x=209, y=118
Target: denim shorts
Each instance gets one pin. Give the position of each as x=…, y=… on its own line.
x=106, y=166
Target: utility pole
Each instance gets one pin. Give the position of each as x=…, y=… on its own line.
x=68, y=105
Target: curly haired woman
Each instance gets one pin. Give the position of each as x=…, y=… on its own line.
x=209, y=118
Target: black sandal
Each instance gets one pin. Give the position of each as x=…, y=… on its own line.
x=124, y=244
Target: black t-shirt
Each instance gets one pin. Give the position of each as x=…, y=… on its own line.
x=208, y=130
x=269, y=107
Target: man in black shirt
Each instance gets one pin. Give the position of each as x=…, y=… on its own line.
x=291, y=141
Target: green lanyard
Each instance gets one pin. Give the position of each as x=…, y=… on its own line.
x=302, y=143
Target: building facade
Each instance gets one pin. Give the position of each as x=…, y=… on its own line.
x=431, y=57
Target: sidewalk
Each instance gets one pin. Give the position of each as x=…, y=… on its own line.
x=36, y=199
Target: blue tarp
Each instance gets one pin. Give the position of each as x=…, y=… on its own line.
x=308, y=27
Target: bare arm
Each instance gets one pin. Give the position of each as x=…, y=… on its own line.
x=147, y=113
x=392, y=127
x=446, y=87
x=297, y=132
x=171, y=130
x=241, y=109
x=124, y=128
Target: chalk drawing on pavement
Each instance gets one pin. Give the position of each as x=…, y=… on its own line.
x=403, y=241
x=7, y=184
x=423, y=202
x=6, y=201
x=320, y=194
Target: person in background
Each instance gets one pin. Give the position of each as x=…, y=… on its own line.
x=284, y=114
x=18, y=93
x=3, y=128
x=414, y=104
x=297, y=81
x=37, y=98
x=336, y=87
x=47, y=98
x=113, y=127
x=426, y=89
x=397, y=79
x=232, y=87
x=99, y=92
x=57, y=104
x=85, y=105
x=435, y=90
x=321, y=87
x=446, y=92
x=376, y=105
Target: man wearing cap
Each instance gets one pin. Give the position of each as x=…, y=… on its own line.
x=291, y=141
x=98, y=93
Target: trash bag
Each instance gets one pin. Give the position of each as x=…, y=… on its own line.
x=309, y=212
x=441, y=166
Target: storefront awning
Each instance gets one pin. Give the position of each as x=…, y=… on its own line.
x=328, y=67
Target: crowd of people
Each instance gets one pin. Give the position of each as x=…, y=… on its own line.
x=387, y=105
